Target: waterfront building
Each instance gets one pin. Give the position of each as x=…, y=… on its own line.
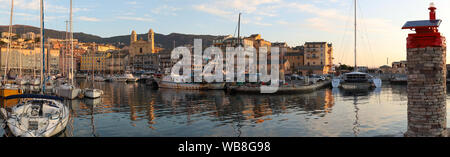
x=29, y=36
x=6, y=34
x=399, y=67
x=117, y=62
x=164, y=61
x=104, y=47
x=318, y=58
x=29, y=60
x=385, y=69
x=295, y=56
x=94, y=60
x=219, y=41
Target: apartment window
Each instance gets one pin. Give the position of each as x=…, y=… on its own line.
x=140, y=50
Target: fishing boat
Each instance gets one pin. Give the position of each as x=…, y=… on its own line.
x=169, y=82
x=356, y=80
x=36, y=116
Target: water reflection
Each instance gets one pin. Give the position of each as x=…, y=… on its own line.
x=138, y=110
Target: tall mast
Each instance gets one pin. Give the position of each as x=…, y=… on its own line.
x=9, y=41
x=34, y=61
x=239, y=30
x=66, y=48
x=93, y=55
x=42, y=46
x=71, y=43
x=356, y=68
x=20, y=64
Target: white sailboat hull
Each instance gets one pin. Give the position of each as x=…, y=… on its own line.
x=93, y=93
x=67, y=92
x=21, y=81
x=336, y=83
x=24, y=121
x=35, y=82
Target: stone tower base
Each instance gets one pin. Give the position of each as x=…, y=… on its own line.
x=427, y=92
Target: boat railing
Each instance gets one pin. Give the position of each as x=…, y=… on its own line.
x=36, y=96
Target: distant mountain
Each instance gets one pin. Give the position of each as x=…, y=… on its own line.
x=161, y=40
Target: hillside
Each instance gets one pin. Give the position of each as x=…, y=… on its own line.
x=164, y=41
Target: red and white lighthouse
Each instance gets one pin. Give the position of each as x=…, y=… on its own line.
x=427, y=33
x=427, y=90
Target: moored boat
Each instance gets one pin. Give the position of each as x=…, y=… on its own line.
x=21, y=81
x=168, y=82
x=37, y=116
x=357, y=81
x=93, y=93
x=67, y=91
x=130, y=77
x=8, y=90
x=399, y=79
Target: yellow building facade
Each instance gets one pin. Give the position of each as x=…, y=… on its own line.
x=318, y=56
x=96, y=61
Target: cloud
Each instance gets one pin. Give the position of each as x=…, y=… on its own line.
x=166, y=10
x=254, y=10
x=34, y=5
x=212, y=10
x=89, y=19
x=131, y=2
x=130, y=18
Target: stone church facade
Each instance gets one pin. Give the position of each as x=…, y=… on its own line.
x=144, y=54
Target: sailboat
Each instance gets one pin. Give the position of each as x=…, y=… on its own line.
x=356, y=80
x=8, y=89
x=21, y=80
x=69, y=91
x=37, y=115
x=92, y=92
x=34, y=81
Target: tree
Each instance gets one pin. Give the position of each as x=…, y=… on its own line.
x=345, y=67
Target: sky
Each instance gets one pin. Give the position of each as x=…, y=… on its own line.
x=380, y=38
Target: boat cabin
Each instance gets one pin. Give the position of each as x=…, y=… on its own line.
x=356, y=77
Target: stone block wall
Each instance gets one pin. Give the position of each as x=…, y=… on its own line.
x=427, y=92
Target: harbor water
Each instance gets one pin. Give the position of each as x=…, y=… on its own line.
x=137, y=110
